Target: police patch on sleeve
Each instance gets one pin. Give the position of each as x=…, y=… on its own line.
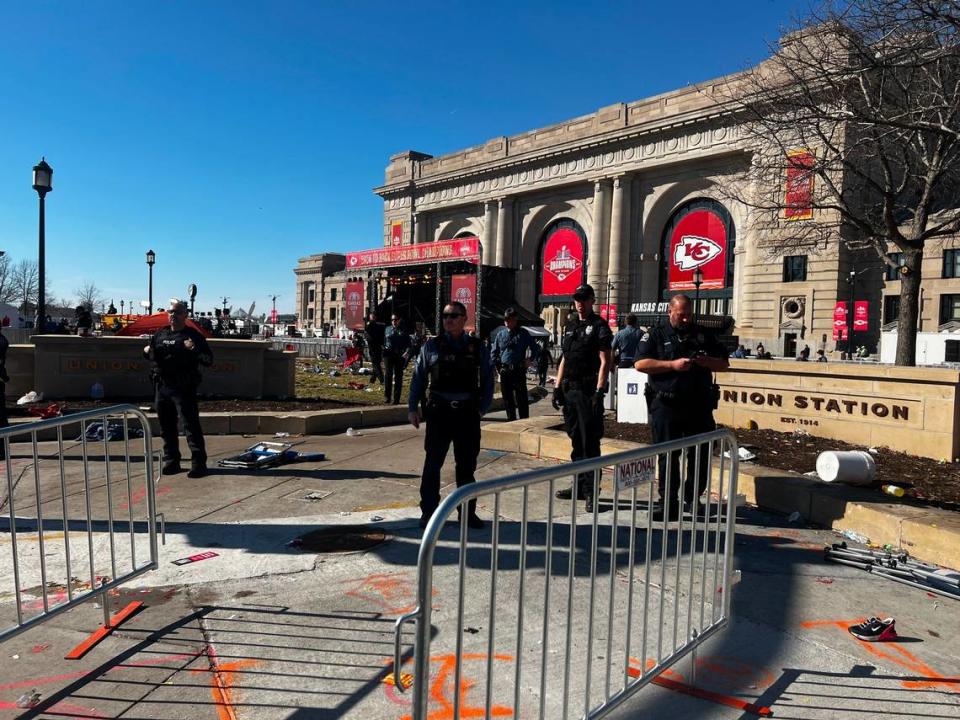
x=645, y=338
x=589, y=329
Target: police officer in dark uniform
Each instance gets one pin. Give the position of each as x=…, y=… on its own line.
x=460, y=379
x=509, y=355
x=680, y=359
x=374, y=331
x=177, y=353
x=396, y=352
x=581, y=386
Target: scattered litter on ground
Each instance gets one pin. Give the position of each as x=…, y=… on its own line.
x=873, y=451
x=824, y=579
x=114, y=431
x=195, y=558
x=899, y=567
x=281, y=435
x=894, y=490
x=344, y=513
x=268, y=455
x=30, y=397
x=812, y=474
x=296, y=542
x=15, y=657
x=334, y=373
x=351, y=432
x=39, y=648
x=795, y=516
x=28, y=699
x=471, y=630
x=355, y=385
x=376, y=518
x=853, y=467
x=855, y=536
x=743, y=453
x=406, y=680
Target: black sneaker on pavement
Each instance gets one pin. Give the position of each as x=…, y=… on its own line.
x=875, y=630
x=197, y=471
x=171, y=468
x=567, y=493
x=673, y=515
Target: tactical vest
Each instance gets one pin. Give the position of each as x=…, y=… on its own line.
x=457, y=370
x=581, y=348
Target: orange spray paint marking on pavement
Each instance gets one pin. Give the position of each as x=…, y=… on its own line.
x=221, y=682
x=394, y=593
x=439, y=692
x=906, y=659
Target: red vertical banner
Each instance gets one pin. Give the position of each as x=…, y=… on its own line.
x=798, y=201
x=463, y=289
x=840, y=320
x=609, y=313
x=861, y=313
x=353, y=305
x=699, y=240
x=562, y=266
x=396, y=233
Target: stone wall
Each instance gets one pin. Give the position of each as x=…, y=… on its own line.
x=64, y=366
x=913, y=410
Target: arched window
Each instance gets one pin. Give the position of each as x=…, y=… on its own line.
x=699, y=236
x=563, y=260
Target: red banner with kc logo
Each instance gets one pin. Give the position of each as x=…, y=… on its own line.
x=699, y=241
x=353, y=305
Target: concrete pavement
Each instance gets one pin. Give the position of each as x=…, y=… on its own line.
x=265, y=629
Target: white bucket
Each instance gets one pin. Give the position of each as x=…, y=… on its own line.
x=854, y=467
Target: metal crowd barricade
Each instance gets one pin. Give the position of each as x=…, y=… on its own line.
x=619, y=602
x=68, y=508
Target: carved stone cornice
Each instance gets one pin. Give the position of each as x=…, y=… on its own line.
x=620, y=155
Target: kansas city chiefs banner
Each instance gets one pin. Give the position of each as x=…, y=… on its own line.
x=463, y=288
x=840, y=320
x=562, y=263
x=353, y=305
x=396, y=233
x=861, y=311
x=699, y=241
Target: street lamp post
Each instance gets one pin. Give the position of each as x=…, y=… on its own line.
x=697, y=282
x=852, y=282
x=42, y=183
x=151, y=259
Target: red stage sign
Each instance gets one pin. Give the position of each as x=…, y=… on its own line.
x=353, y=305
x=840, y=320
x=467, y=249
x=396, y=233
x=799, y=191
x=861, y=311
x=562, y=263
x=699, y=241
x=463, y=288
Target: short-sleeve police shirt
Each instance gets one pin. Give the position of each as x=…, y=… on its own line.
x=665, y=343
x=583, y=340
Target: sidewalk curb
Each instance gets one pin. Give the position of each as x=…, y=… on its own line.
x=928, y=534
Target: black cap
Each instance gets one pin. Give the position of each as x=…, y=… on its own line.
x=509, y=313
x=584, y=292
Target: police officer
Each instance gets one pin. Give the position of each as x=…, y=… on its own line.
x=461, y=388
x=374, y=332
x=581, y=385
x=396, y=352
x=679, y=359
x=625, y=343
x=509, y=355
x=177, y=353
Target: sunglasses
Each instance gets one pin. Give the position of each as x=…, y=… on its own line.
x=451, y=316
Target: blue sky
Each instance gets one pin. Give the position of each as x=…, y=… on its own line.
x=234, y=137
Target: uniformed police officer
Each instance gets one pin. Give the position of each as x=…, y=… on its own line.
x=509, y=355
x=177, y=353
x=679, y=359
x=625, y=343
x=374, y=332
x=396, y=353
x=581, y=385
x=461, y=388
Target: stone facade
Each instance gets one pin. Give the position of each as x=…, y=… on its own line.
x=621, y=175
x=319, y=291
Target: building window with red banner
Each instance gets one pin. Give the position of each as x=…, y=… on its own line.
x=700, y=235
x=563, y=259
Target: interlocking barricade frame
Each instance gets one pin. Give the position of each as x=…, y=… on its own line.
x=79, y=512
x=571, y=615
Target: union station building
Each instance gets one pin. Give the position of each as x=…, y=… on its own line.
x=629, y=199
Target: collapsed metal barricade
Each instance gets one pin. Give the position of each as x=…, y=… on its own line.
x=683, y=569
x=56, y=484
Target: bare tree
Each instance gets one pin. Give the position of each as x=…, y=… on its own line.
x=854, y=126
x=24, y=284
x=89, y=295
x=6, y=285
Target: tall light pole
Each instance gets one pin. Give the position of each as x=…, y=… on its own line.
x=42, y=183
x=151, y=259
x=697, y=282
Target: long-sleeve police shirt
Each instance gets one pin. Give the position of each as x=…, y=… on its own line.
x=396, y=341
x=510, y=348
x=428, y=357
